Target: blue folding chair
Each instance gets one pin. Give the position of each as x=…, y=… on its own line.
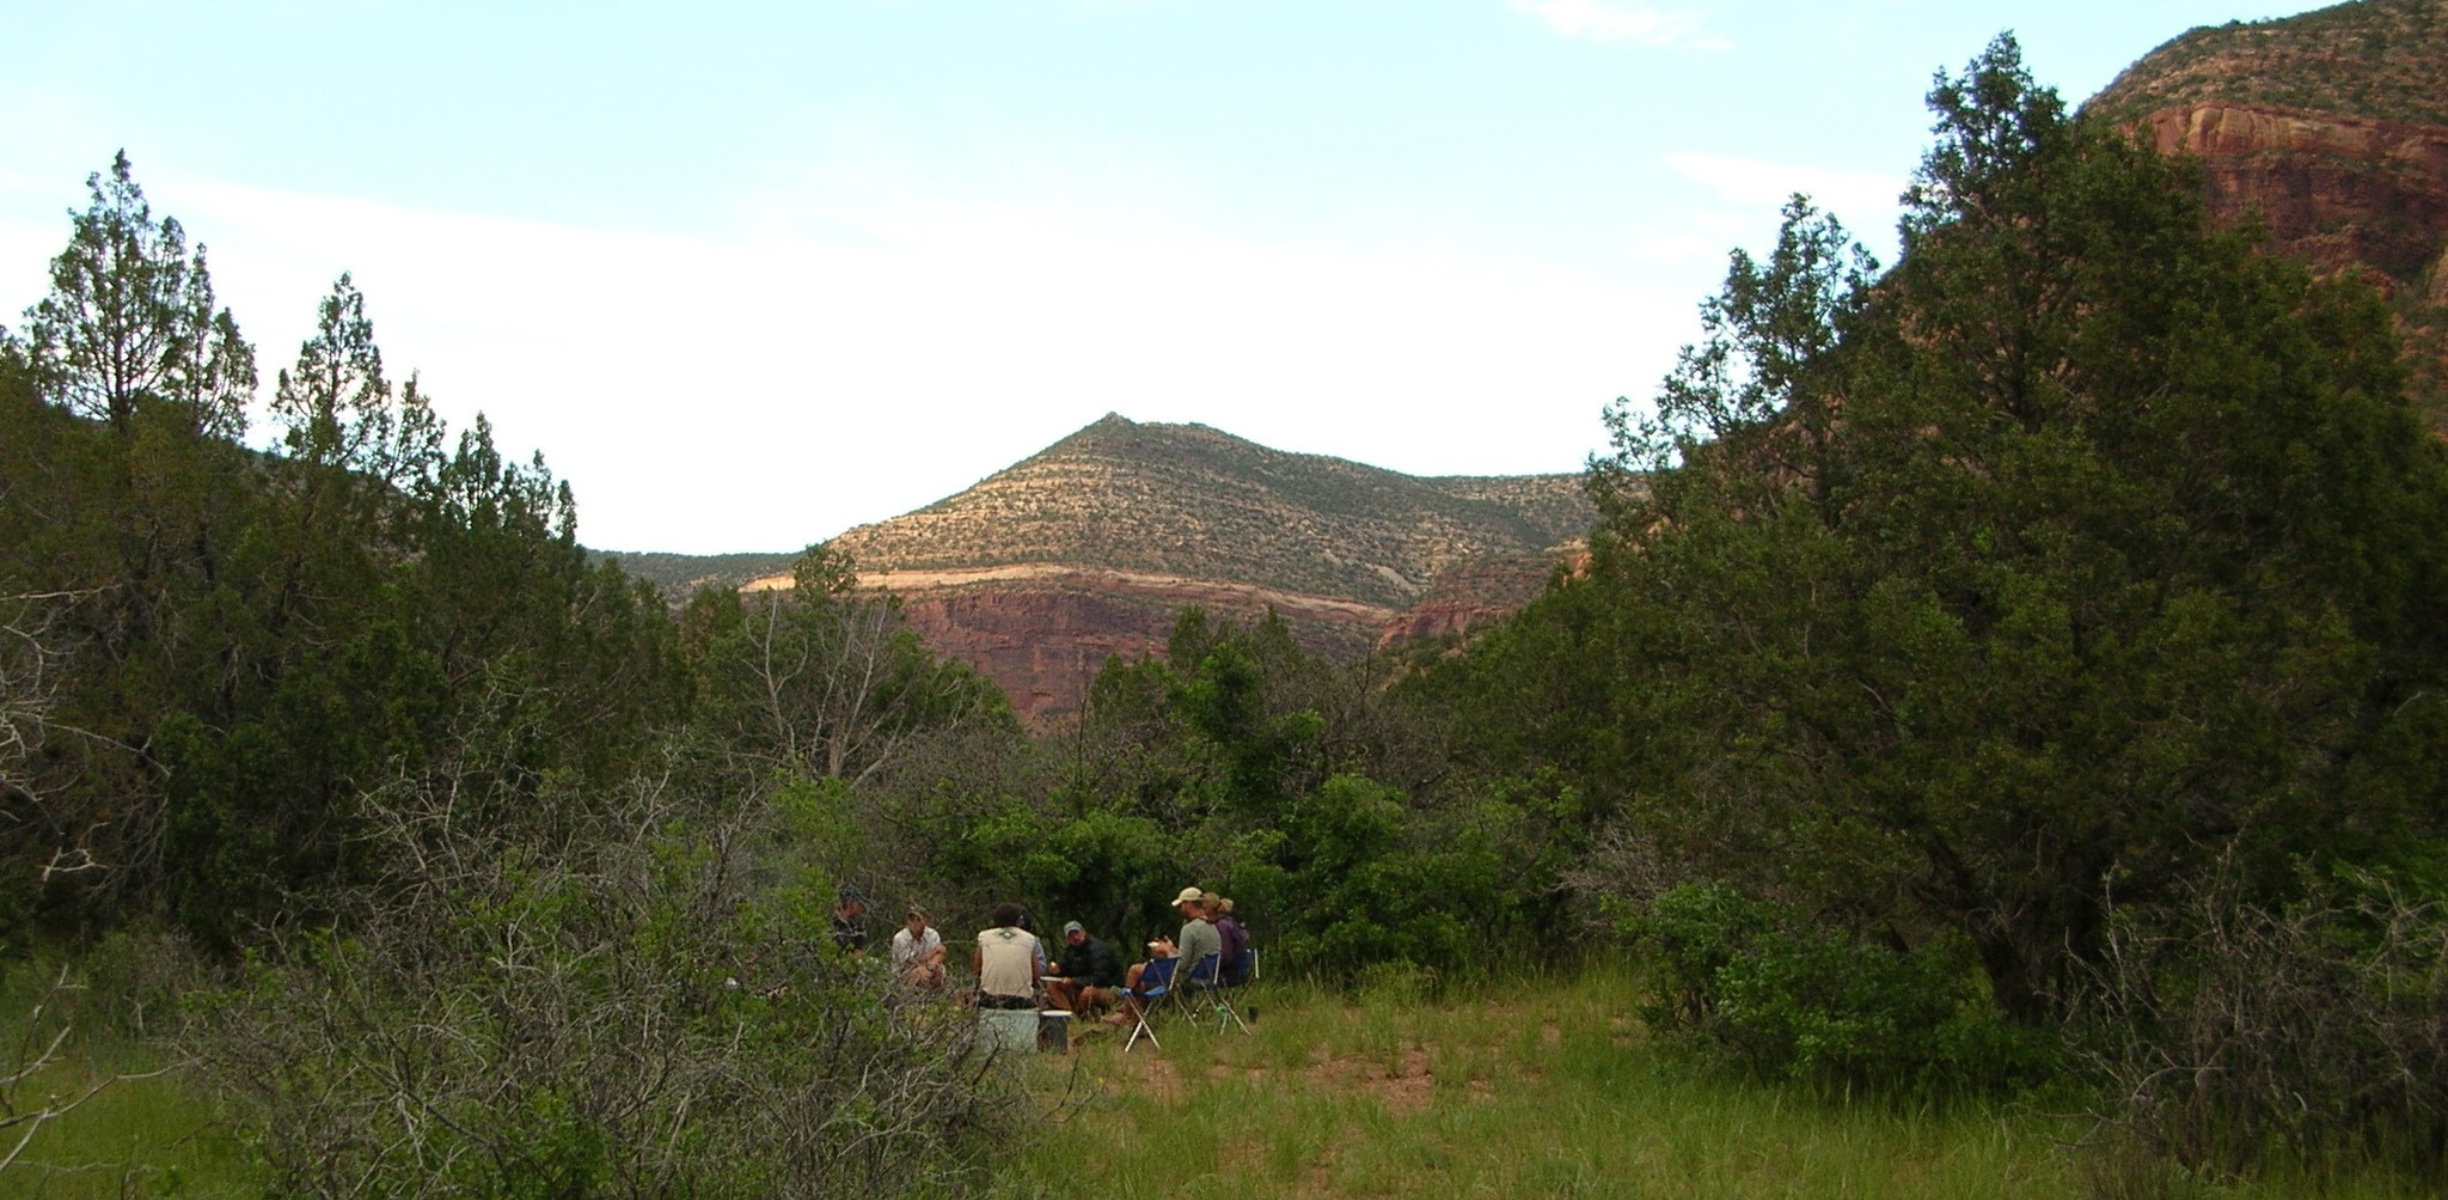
x=1206, y=994
x=1155, y=983
x=1202, y=980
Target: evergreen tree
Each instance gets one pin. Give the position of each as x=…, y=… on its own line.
x=2083, y=549
x=131, y=320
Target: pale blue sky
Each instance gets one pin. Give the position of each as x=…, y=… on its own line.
x=750, y=274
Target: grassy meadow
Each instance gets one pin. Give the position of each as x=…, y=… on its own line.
x=142, y=1128
x=1533, y=1088
x=1530, y=1087
x=138, y=1137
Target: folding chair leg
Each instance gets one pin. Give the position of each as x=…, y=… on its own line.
x=1140, y=1028
x=1229, y=1005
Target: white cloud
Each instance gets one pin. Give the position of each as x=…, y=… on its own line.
x=1611, y=21
x=1864, y=201
x=870, y=345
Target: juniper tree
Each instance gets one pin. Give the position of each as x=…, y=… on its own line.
x=131, y=319
x=2086, y=544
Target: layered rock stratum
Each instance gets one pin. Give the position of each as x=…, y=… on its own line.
x=1092, y=547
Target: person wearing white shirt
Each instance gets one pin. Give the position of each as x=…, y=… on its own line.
x=918, y=952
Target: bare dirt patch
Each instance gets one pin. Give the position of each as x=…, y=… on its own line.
x=1403, y=1088
x=1150, y=1075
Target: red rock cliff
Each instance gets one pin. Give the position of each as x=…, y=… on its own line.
x=2338, y=192
x=1042, y=636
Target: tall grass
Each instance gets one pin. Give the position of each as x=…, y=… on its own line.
x=143, y=1132
x=1530, y=1087
x=1534, y=1088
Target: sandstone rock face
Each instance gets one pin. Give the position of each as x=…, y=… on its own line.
x=2332, y=125
x=1043, y=637
x=2339, y=192
x=1471, y=595
x=1042, y=646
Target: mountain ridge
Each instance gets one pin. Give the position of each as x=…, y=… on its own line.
x=1092, y=546
x=1192, y=501
x=2372, y=59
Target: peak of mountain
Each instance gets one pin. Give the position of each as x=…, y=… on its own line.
x=2377, y=60
x=1092, y=546
x=1196, y=503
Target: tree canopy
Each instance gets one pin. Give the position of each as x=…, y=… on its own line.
x=2084, y=549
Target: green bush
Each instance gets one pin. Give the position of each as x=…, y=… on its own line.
x=1758, y=988
x=601, y=1002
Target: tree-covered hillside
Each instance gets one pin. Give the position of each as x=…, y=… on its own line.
x=421, y=828
x=2048, y=628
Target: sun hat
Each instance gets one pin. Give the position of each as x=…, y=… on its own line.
x=1190, y=895
x=1072, y=927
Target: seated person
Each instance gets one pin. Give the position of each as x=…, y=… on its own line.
x=1006, y=962
x=849, y=904
x=918, y=953
x=1198, y=940
x=1090, y=974
x=1233, y=969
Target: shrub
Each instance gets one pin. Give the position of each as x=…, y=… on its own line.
x=2225, y=1031
x=1756, y=987
x=587, y=1004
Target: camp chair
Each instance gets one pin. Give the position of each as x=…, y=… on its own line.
x=1198, y=996
x=1155, y=984
x=1228, y=996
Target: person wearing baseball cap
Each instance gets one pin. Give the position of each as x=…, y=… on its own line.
x=1198, y=940
x=1089, y=975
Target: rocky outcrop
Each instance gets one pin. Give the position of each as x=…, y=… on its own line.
x=1042, y=634
x=2338, y=192
x=1041, y=646
x=1471, y=595
x=2347, y=195
x=1042, y=631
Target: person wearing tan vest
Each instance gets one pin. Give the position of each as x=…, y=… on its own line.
x=1006, y=962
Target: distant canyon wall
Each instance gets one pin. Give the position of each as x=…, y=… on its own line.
x=2343, y=194
x=1042, y=631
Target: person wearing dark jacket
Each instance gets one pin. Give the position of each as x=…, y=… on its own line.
x=848, y=933
x=1089, y=973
